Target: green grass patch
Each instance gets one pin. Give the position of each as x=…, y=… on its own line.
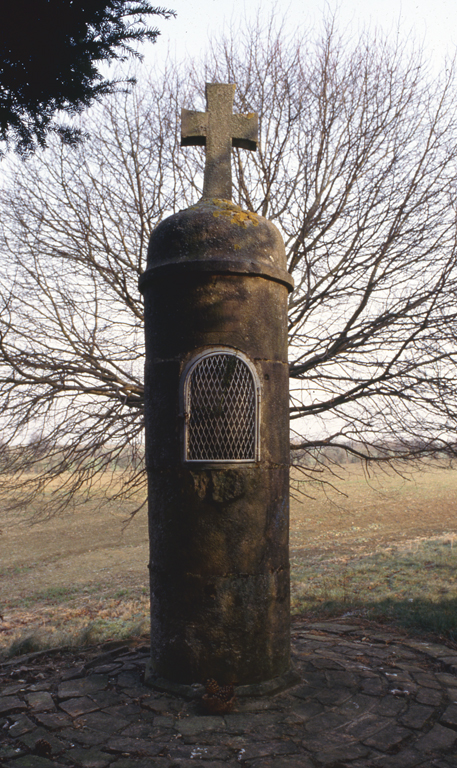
x=415, y=588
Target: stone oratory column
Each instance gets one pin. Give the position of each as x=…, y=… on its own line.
x=217, y=429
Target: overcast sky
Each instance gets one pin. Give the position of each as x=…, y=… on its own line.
x=433, y=22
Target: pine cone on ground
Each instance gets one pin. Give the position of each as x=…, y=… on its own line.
x=211, y=687
x=218, y=700
x=43, y=748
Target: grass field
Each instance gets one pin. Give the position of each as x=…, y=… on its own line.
x=385, y=549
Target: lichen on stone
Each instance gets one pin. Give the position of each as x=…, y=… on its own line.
x=234, y=213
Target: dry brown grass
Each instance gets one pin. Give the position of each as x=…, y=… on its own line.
x=387, y=544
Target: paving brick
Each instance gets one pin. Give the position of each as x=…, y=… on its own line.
x=128, y=762
x=388, y=739
x=82, y=686
x=437, y=739
x=449, y=717
x=429, y=696
x=30, y=740
x=41, y=701
x=22, y=724
x=267, y=750
x=197, y=752
x=84, y=736
x=417, y=715
x=326, y=721
x=358, y=705
x=79, y=706
x=141, y=747
x=281, y=762
x=346, y=753
x=427, y=680
x=362, y=728
x=101, y=721
x=53, y=720
x=11, y=704
x=105, y=699
x=390, y=706
x=89, y=758
x=374, y=686
x=333, y=697
x=34, y=761
x=190, y=726
x=406, y=758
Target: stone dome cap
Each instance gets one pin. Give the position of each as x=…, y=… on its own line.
x=217, y=236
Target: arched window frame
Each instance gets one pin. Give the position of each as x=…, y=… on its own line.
x=185, y=405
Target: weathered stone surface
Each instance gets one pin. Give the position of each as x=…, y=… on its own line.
x=104, y=699
x=358, y=705
x=388, y=738
x=121, y=744
x=374, y=686
x=9, y=704
x=282, y=762
x=449, y=717
x=361, y=729
x=438, y=738
x=53, y=721
x=325, y=721
x=41, y=701
x=101, y=721
x=307, y=709
x=429, y=696
x=34, y=761
x=79, y=706
x=268, y=749
x=142, y=730
x=196, y=753
x=10, y=751
x=22, y=724
x=128, y=762
x=406, y=758
x=85, y=736
x=427, y=680
x=333, y=696
x=82, y=686
x=126, y=711
x=191, y=726
x=349, y=752
x=159, y=704
x=90, y=758
x=30, y=739
x=417, y=716
x=389, y=706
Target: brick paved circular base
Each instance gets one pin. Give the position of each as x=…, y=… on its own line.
x=366, y=699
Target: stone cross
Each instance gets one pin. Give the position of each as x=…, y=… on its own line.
x=218, y=130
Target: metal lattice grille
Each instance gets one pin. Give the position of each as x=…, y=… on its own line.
x=221, y=410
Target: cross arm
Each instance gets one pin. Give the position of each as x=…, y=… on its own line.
x=245, y=130
x=194, y=126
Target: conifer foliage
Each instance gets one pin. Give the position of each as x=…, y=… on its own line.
x=50, y=51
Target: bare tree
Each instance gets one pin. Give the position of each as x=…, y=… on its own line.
x=75, y=227
x=357, y=167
